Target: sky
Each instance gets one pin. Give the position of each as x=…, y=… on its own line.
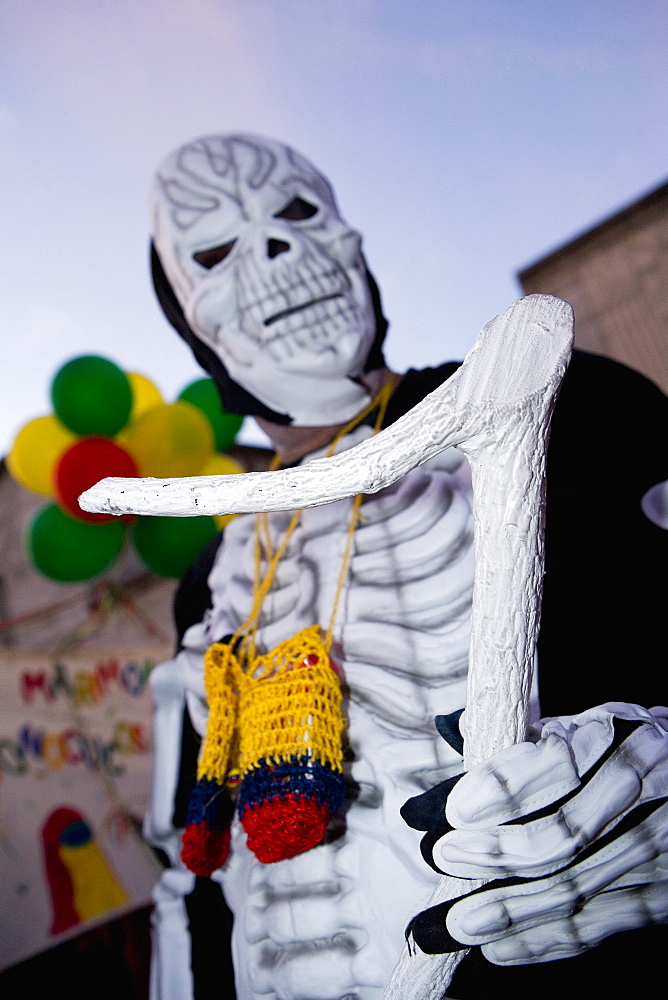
x=465, y=140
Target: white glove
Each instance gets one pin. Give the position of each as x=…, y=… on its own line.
x=577, y=825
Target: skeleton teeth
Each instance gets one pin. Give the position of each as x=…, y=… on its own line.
x=323, y=282
x=263, y=296
x=296, y=309
x=314, y=328
x=281, y=349
x=300, y=338
x=250, y=282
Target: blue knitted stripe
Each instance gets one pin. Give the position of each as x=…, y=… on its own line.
x=210, y=803
x=299, y=776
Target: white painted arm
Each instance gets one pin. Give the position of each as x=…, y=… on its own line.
x=511, y=367
x=508, y=469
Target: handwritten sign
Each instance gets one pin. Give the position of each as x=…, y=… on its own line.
x=75, y=766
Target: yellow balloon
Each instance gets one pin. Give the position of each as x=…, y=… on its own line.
x=221, y=465
x=221, y=520
x=144, y=394
x=171, y=439
x=35, y=453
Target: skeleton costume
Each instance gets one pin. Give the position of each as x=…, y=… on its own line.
x=256, y=269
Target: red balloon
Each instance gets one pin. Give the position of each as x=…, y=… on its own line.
x=83, y=465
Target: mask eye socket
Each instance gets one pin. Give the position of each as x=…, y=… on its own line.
x=297, y=210
x=209, y=258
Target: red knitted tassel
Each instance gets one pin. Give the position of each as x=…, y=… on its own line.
x=278, y=829
x=204, y=850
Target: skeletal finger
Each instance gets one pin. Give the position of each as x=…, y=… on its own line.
x=609, y=913
x=639, y=856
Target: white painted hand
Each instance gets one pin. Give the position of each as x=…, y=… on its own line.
x=574, y=831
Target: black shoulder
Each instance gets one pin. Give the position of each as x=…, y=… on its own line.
x=602, y=629
x=193, y=597
x=415, y=385
x=610, y=424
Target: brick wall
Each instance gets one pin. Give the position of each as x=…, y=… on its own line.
x=616, y=278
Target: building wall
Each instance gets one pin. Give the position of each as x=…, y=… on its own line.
x=616, y=278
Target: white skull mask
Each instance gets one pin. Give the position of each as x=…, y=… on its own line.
x=267, y=273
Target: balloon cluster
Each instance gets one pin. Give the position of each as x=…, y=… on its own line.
x=107, y=422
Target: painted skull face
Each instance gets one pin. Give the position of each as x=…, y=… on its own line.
x=267, y=273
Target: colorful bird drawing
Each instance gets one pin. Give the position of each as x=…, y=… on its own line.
x=80, y=879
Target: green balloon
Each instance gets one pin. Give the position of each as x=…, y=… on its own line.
x=169, y=545
x=92, y=395
x=203, y=394
x=70, y=551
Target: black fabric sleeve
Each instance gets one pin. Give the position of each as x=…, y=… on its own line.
x=602, y=635
x=191, y=601
x=193, y=597
x=209, y=917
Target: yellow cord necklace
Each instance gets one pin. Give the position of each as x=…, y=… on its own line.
x=275, y=727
